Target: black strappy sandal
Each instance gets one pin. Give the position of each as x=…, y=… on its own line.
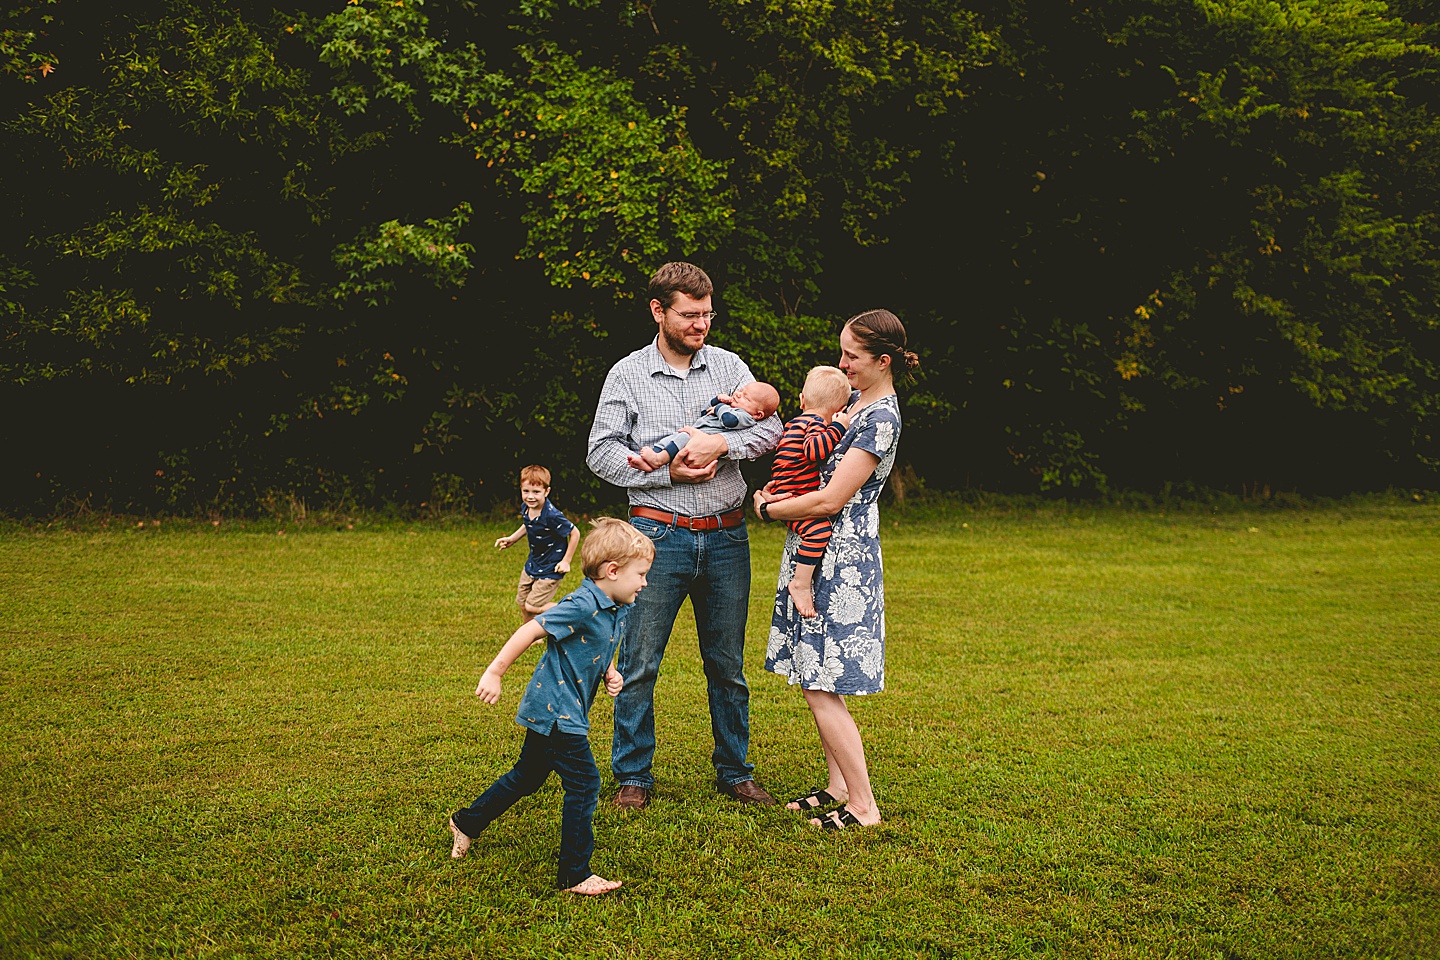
x=814, y=800
x=839, y=819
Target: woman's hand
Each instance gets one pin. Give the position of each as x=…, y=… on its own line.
x=767, y=495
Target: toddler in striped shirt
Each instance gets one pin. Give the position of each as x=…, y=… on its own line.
x=808, y=441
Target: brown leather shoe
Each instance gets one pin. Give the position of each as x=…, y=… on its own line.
x=631, y=797
x=746, y=791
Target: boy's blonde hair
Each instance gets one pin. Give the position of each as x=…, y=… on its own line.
x=827, y=388
x=535, y=474
x=615, y=540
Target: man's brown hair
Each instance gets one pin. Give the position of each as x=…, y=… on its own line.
x=680, y=277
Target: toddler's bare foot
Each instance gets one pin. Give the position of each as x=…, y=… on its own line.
x=804, y=602
x=461, y=845
x=594, y=885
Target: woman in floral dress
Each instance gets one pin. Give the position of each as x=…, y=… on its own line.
x=840, y=652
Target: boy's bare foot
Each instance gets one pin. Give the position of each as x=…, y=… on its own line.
x=804, y=602
x=461, y=845
x=638, y=462
x=594, y=885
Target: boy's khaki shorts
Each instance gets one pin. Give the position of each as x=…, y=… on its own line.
x=534, y=595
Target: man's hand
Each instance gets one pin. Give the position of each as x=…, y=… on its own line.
x=489, y=688
x=699, y=458
x=613, y=681
x=682, y=472
x=703, y=448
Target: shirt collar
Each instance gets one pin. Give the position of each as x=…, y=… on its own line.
x=659, y=365
x=596, y=595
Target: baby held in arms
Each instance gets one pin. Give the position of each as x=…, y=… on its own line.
x=746, y=406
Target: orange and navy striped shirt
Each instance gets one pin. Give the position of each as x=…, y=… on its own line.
x=806, y=443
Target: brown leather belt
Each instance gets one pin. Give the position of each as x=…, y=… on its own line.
x=723, y=521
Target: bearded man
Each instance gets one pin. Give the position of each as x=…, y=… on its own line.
x=693, y=512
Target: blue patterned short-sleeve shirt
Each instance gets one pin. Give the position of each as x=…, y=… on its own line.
x=548, y=536
x=582, y=632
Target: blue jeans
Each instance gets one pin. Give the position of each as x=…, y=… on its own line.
x=713, y=570
x=568, y=754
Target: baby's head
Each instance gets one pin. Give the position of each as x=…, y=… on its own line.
x=757, y=399
x=827, y=391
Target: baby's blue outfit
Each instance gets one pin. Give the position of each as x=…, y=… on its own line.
x=717, y=418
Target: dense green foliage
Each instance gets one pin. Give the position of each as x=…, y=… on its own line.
x=384, y=251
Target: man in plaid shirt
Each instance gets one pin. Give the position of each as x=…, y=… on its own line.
x=693, y=511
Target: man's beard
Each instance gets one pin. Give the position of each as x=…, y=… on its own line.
x=676, y=342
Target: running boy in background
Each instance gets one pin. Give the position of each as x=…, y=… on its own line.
x=552, y=543
x=741, y=410
x=808, y=441
x=581, y=634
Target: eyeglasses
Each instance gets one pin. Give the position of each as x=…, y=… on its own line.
x=701, y=317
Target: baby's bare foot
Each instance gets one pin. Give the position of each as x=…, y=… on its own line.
x=804, y=602
x=638, y=462
x=461, y=845
x=594, y=885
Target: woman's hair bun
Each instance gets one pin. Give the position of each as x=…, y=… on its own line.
x=881, y=333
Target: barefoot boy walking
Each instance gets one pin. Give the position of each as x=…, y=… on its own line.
x=581, y=634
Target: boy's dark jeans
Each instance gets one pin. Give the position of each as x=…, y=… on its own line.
x=568, y=754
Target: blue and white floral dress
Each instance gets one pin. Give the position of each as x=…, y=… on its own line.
x=843, y=649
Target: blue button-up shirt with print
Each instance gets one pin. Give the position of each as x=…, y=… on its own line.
x=582, y=632
x=549, y=536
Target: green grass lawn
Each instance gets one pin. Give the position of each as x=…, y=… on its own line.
x=1105, y=733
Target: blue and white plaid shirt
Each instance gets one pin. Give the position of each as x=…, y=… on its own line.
x=644, y=399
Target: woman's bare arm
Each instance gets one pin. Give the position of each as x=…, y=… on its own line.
x=849, y=477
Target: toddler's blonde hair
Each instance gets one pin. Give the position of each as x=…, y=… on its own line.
x=827, y=388
x=615, y=540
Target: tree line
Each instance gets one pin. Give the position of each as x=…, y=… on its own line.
x=384, y=250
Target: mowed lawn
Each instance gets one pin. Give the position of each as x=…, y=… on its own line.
x=1105, y=733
